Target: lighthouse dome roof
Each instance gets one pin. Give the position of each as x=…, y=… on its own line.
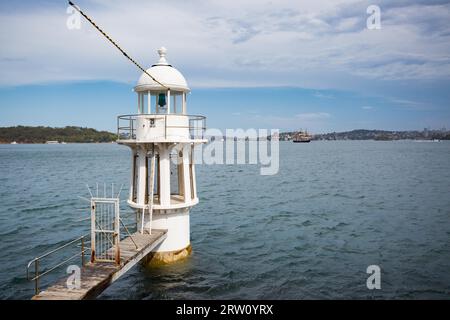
x=164, y=73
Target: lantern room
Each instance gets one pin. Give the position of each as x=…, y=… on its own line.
x=161, y=108
x=153, y=98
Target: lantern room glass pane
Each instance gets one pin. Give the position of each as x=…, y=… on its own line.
x=177, y=102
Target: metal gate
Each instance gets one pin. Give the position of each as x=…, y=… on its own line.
x=105, y=230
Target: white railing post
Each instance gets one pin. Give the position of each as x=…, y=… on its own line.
x=92, y=231
x=117, y=230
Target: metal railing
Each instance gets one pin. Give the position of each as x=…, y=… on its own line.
x=34, y=274
x=126, y=125
x=197, y=127
x=37, y=261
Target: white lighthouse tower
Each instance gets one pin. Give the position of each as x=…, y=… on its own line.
x=162, y=137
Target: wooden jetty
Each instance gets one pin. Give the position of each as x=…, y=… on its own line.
x=96, y=277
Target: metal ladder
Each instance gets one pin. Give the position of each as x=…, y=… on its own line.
x=149, y=206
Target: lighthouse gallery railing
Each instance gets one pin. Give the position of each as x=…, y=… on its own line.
x=126, y=125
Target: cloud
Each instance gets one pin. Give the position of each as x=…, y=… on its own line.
x=322, y=95
x=411, y=104
x=315, y=43
x=313, y=116
x=404, y=102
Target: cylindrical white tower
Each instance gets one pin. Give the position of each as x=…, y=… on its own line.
x=162, y=137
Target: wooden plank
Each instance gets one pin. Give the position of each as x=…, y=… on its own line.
x=95, y=278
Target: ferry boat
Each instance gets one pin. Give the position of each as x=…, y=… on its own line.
x=302, y=137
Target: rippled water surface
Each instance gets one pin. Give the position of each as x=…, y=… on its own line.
x=308, y=232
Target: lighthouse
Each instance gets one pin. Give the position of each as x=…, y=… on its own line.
x=162, y=137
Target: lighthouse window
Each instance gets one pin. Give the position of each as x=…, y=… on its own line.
x=176, y=174
x=146, y=101
x=135, y=178
x=177, y=102
x=156, y=180
x=153, y=99
x=191, y=173
x=191, y=179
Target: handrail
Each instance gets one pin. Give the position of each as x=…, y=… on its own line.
x=196, y=124
x=83, y=240
x=160, y=114
x=37, y=260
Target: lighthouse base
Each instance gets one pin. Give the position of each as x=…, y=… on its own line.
x=163, y=258
x=177, y=245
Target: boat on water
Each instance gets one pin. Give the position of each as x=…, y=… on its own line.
x=14, y=142
x=302, y=137
x=52, y=142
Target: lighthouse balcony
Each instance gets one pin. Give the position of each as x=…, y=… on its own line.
x=154, y=128
x=176, y=202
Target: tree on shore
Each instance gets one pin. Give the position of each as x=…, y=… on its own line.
x=26, y=134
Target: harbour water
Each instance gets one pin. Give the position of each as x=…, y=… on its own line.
x=308, y=232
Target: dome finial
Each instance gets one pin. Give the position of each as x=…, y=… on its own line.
x=162, y=56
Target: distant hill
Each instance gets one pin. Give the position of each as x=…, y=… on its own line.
x=381, y=135
x=25, y=134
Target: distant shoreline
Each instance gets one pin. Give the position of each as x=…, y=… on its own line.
x=41, y=135
x=72, y=134
x=377, y=135
x=287, y=141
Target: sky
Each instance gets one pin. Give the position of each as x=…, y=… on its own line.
x=250, y=64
